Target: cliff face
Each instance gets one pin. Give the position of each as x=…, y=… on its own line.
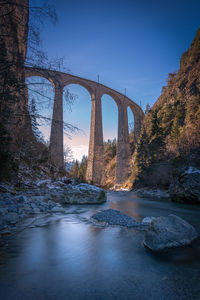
x=171, y=130
x=17, y=141
x=13, y=47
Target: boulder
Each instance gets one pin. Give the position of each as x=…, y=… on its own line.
x=168, y=232
x=57, y=209
x=11, y=218
x=76, y=194
x=21, y=199
x=185, y=186
x=84, y=194
x=114, y=217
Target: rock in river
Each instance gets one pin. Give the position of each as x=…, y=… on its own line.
x=168, y=232
x=114, y=217
x=82, y=194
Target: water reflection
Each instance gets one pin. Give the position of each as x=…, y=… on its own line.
x=128, y=207
x=70, y=258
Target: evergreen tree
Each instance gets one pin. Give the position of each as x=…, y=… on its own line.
x=78, y=170
x=156, y=128
x=82, y=169
x=175, y=129
x=110, y=149
x=148, y=108
x=34, y=122
x=74, y=169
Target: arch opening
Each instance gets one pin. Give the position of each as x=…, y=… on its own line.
x=110, y=134
x=37, y=73
x=77, y=112
x=130, y=120
x=80, y=83
x=40, y=100
x=131, y=129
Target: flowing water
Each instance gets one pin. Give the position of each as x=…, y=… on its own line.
x=65, y=256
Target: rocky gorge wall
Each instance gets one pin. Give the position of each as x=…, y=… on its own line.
x=17, y=139
x=13, y=43
x=169, y=142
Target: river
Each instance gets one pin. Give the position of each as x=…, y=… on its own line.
x=65, y=256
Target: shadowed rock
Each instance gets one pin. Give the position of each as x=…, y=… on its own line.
x=168, y=232
x=84, y=194
x=185, y=187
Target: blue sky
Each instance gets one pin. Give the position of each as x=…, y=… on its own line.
x=130, y=44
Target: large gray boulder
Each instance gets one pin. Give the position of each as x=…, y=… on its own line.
x=168, y=232
x=80, y=194
x=185, y=186
x=11, y=218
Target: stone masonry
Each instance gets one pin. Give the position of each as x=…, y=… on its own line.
x=95, y=168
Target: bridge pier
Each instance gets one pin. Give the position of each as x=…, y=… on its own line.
x=95, y=166
x=56, y=137
x=123, y=146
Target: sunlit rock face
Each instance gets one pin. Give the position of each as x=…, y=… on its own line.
x=169, y=232
x=177, y=136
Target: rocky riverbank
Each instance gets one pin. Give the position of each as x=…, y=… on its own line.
x=160, y=233
x=184, y=187
x=44, y=196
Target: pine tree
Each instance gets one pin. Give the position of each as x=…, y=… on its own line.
x=75, y=169
x=156, y=129
x=148, y=108
x=34, y=122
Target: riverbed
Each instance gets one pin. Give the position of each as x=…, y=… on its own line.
x=66, y=256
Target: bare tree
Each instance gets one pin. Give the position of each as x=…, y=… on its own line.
x=68, y=154
x=20, y=26
x=19, y=20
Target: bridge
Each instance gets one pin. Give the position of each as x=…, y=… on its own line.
x=95, y=167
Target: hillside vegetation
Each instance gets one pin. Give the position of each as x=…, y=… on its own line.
x=170, y=136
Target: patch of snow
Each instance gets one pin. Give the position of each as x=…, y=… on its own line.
x=147, y=220
x=85, y=186
x=122, y=189
x=43, y=182
x=192, y=170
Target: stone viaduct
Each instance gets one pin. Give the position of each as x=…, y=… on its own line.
x=95, y=168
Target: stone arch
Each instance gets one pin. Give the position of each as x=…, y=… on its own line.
x=123, y=147
x=79, y=116
x=81, y=83
x=116, y=102
x=33, y=73
x=37, y=73
x=110, y=132
x=95, y=173
x=138, y=118
x=112, y=95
